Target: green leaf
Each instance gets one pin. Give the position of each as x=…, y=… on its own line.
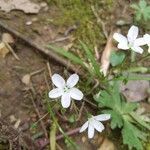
x=129, y=107
x=122, y=116
x=140, y=121
x=131, y=136
x=142, y=4
x=110, y=98
x=117, y=58
x=116, y=119
x=104, y=99
x=138, y=16
x=142, y=11
x=72, y=118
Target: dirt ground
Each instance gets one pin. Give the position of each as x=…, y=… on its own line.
x=18, y=101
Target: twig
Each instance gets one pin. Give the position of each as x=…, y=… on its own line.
x=80, y=112
x=100, y=22
x=11, y=50
x=39, y=116
x=89, y=102
x=70, y=29
x=60, y=39
x=59, y=137
x=58, y=147
x=49, y=69
x=63, y=118
x=97, y=55
x=71, y=132
x=46, y=81
x=48, y=52
x=94, y=87
x=37, y=72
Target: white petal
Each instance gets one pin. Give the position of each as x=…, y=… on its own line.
x=72, y=80
x=55, y=93
x=76, y=94
x=58, y=80
x=147, y=38
x=123, y=43
x=132, y=33
x=84, y=126
x=66, y=100
x=120, y=38
x=90, y=131
x=137, y=49
x=98, y=125
x=123, y=46
x=102, y=117
x=139, y=42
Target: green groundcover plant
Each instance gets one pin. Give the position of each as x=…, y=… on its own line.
x=112, y=105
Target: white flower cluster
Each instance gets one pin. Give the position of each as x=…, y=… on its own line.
x=67, y=91
x=131, y=41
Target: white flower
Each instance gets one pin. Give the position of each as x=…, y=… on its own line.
x=147, y=41
x=65, y=90
x=94, y=123
x=131, y=41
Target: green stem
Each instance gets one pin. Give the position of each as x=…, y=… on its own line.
x=133, y=55
x=58, y=126
x=137, y=69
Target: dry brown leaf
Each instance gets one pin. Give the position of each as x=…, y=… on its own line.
x=106, y=54
x=24, y=5
x=3, y=50
x=6, y=37
x=26, y=79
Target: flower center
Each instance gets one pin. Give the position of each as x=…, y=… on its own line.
x=130, y=44
x=66, y=89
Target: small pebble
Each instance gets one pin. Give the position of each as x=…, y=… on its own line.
x=28, y=23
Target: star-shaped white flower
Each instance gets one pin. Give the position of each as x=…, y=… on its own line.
x=147, y=41
x=131, y=41
x=65, y=90
x=94, y=123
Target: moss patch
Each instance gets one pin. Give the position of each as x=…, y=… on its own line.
x=79, y=12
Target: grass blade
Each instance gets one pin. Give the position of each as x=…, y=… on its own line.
x=53, y=137
x=91, y=58
x=67, y=54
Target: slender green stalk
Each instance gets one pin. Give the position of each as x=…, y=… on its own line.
x=133, y=55
x=58, y=126
x=137, y=69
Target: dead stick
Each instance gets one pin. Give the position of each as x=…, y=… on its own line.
x=59, y=137
x=39, y=116
x=12, y=51
x=81, y=110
